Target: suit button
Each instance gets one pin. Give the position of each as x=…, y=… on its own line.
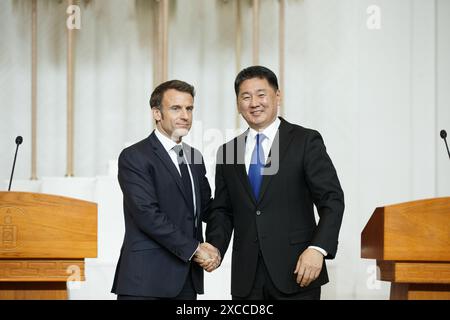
x=258, y=213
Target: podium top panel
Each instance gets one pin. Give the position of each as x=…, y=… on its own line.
x=36, y=225
x=411, y=231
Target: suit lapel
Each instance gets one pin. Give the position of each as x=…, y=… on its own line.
x=278, y=150
x=239, y=164
x=162, y=154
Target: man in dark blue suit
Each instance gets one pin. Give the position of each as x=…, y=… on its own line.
x=166, y=196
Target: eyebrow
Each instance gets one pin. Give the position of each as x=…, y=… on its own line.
x=178, y=106
x=258, y=91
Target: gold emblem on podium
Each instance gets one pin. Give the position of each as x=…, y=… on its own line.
x=8, y=234
x=8, y=229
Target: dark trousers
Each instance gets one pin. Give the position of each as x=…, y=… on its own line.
x=187, y=293
x=264, y=289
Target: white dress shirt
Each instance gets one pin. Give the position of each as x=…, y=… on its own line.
x=270, y=133
x=168, y=145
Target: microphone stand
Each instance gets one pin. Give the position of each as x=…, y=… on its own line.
x=18, y=142
x=444, y=137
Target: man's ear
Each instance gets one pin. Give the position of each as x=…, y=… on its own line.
x=157, y=115
x=278, y=95
x=237, y=106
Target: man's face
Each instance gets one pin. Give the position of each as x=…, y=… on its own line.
x=175, y=117
x=258, y=103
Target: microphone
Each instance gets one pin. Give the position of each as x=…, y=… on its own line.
x=444, y=137
x=19, y=141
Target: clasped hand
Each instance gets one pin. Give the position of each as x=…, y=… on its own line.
x=207, y=256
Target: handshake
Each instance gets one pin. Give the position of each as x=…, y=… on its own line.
x=207, y=256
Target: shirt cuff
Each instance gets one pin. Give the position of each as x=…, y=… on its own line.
x=198, y=246
x=320, y=250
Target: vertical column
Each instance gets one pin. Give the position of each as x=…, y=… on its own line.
x=33, y=88
x=281, y=52
x=162, y=46
x=156, y=45
x=238, y=48
x=165, y=41
x=255, y=32
x=70, y=98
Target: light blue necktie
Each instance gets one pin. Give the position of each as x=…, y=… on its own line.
x=257, y=165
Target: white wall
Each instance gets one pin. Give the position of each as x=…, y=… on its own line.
x=379, y=98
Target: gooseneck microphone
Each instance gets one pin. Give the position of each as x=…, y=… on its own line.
x=19, y=141
x=444, y=137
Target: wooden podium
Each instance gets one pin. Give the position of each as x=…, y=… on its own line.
x=411, y=243
x=44, y=240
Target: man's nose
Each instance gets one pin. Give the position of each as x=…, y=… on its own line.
x=254, y=102
x=184, y=114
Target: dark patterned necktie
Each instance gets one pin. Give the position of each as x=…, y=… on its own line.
x=185, y=176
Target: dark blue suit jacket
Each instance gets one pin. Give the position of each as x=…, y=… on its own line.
x=160, y=232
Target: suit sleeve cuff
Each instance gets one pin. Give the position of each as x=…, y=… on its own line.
x=320, y=250
x=194, y=252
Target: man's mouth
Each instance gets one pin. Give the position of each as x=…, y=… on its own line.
x=256, y=112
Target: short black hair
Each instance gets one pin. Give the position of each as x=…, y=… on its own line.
x=255, y=72
x=157, y=94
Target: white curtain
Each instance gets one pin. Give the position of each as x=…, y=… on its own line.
x=379, y=98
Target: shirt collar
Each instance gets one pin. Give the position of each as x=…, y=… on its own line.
x=167, y=143
x=269, y=132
